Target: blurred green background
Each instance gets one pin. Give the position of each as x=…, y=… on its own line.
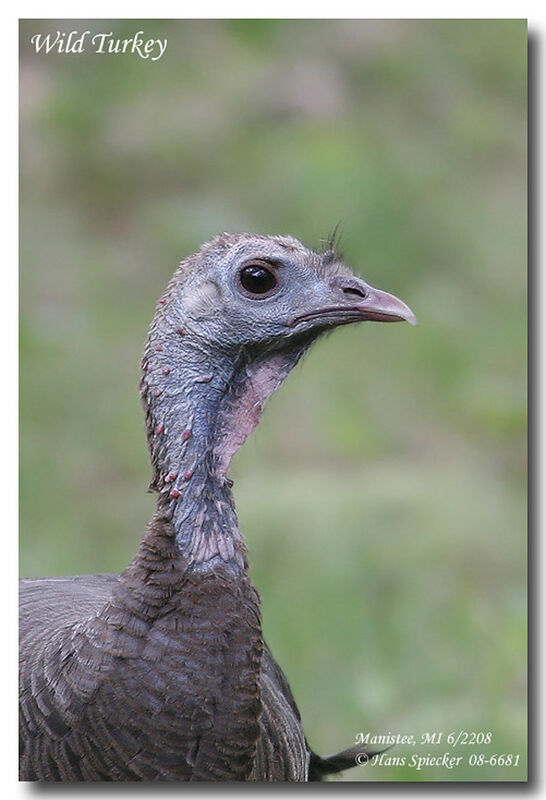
x=383, y=495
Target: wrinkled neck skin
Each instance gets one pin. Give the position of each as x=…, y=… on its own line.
x=200, y=407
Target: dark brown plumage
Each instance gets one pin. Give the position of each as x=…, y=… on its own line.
x=161, y=673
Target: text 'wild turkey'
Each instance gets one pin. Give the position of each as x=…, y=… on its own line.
x=161, y=673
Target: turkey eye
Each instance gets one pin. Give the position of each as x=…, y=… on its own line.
x=257, y=279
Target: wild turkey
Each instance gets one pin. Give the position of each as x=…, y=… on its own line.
x=161, y=673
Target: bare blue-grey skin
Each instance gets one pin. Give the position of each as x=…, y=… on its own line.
x=161, y=673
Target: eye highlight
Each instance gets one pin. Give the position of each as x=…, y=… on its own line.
x=258, y=279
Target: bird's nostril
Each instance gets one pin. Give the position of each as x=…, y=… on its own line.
x=354, y=290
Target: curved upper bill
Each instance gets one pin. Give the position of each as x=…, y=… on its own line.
x=384, y=307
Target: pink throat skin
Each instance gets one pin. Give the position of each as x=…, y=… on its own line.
x=246, y=411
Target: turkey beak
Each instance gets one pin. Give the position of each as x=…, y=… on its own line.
x=353, y=300
x=380, y=306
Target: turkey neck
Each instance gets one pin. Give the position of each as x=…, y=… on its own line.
x=201, y=403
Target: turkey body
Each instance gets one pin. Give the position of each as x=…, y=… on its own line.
x=159, y=681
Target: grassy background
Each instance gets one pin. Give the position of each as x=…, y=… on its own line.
x=383, y=495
